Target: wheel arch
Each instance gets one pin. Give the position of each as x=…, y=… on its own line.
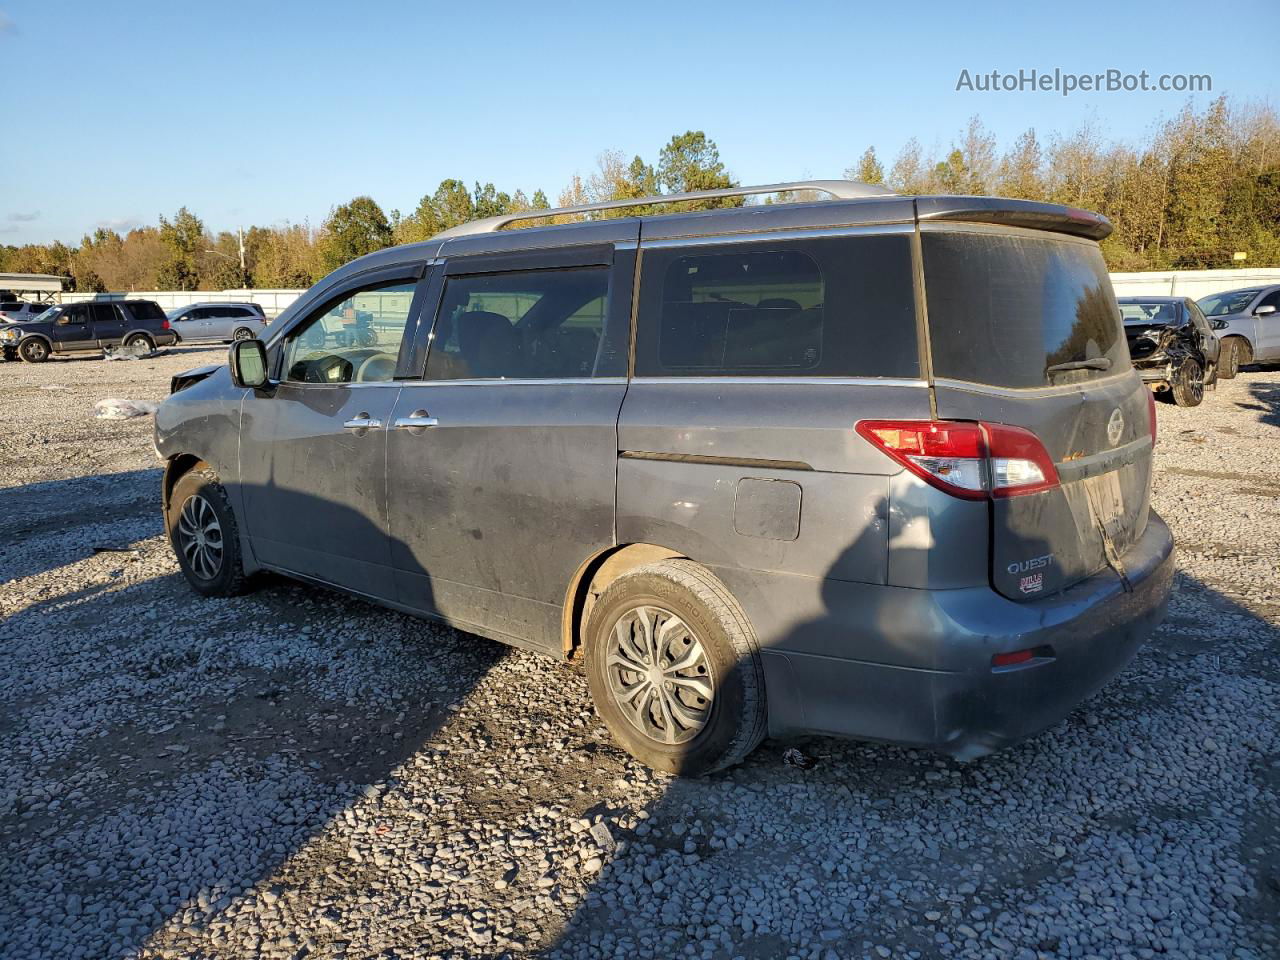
x=175, y=468
x=35, y=336
x=593, y=577
x=1244, y=346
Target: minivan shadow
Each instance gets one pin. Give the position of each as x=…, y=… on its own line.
x=165, y=752
x=879, y=848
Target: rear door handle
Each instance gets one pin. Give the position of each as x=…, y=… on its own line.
x=363, y=422
x=419, y=418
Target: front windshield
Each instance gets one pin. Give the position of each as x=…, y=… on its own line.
x=1222, y=304
x=48, y=314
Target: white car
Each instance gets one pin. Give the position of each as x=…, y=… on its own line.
x=15, y=311
x=217, y=321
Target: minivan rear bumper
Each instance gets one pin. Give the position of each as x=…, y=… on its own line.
x=951, y=698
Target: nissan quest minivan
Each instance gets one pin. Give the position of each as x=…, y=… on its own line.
x=876, y=466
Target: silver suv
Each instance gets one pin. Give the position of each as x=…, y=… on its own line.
x=1249, y=324
x=877, y=466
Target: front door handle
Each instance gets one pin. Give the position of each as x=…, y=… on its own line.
x=419, y=418
x=363, y=422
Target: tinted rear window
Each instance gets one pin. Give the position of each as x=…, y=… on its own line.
x=145, y=310
x=835, y=307
x=1004, y=309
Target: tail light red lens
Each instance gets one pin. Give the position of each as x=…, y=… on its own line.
x=966, y=458
x=1151, y=409
x=164, y=325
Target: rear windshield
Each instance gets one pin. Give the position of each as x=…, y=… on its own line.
x=1017, y=311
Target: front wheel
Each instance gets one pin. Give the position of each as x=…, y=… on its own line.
x=202, y=530
x=1229, y=361
x=1188, y=384
x=34, y=350
x=674, y=669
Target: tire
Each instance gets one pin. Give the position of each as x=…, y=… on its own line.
x=140, y=338
x=242, y=333
x=204, y=536
x=1188, y=384
x=1229, y=359
x=694, y=738
x=34, y=350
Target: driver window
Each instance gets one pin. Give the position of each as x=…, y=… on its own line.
x=353, y=339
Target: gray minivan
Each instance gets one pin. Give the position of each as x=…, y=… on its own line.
x=876, y=466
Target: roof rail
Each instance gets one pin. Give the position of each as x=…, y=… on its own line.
x=840, y=189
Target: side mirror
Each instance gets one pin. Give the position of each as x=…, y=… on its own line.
x=1264, y=311
x=248, y=362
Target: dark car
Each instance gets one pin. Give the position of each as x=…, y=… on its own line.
x=86, y=328
x=837, y=467
x=1173, y=347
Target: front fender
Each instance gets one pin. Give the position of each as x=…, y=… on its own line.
x=203, y=421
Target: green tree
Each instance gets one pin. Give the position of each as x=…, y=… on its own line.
x=867, y=169
x=353, y=230
x=691, y=161
x=184, y=240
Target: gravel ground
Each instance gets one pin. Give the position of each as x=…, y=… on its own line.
x=295, y=773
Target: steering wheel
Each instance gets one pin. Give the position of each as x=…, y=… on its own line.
x=378, y=367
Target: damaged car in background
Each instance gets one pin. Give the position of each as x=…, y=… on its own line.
x=1173, y=347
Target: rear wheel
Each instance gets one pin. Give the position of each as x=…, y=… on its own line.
x=242, y=333
x=140, y=340
x=1229, y=359
x=203, y=532
x=34, y=350
x=674, y=669
x=1188, y=384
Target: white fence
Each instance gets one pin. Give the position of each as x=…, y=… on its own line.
x=1191, y=283
x=1179, y=283
x=271, y=301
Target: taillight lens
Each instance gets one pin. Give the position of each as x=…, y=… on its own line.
x=164, y=325
x=1151, y=409
x=966, y=458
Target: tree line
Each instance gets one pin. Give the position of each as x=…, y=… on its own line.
x=1203, y=186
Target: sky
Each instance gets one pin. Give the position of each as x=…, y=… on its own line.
x=266, y=112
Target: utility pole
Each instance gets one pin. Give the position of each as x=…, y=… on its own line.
x=244, y=276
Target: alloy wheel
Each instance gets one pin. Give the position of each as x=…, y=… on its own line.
x=200, y=537
x=659, y=675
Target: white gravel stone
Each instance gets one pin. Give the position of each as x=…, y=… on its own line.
x=296, y=773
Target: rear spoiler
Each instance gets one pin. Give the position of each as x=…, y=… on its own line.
x=1014, y=213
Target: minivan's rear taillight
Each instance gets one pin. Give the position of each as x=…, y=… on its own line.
x=966, y=458
x=164, y=325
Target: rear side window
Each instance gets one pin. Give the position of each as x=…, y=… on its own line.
x=145, y=310
x=533, y=324
x=1016, y=311
x=836, y=307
